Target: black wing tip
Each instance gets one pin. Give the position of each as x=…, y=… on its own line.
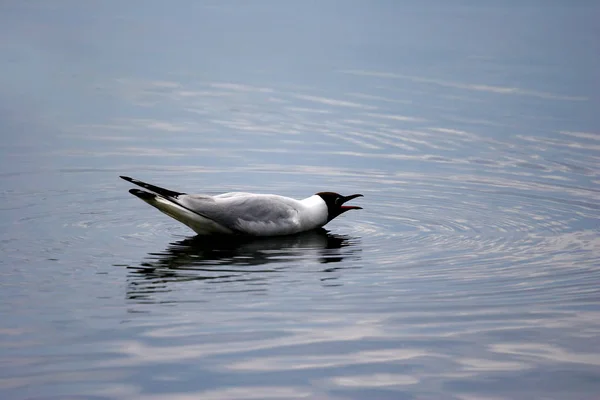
x=153, y=188
x=142, y=194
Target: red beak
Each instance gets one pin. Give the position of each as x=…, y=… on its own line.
x=348, y=198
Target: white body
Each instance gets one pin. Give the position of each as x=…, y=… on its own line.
x=244, y=213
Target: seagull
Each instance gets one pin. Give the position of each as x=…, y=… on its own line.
x=240, y=213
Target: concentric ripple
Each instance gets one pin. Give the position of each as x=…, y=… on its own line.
x=449, y=198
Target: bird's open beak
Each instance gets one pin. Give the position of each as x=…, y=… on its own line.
x=348, y=198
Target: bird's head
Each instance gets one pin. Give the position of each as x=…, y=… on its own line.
x=335, y=203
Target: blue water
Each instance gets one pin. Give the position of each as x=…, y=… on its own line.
x=472, y=129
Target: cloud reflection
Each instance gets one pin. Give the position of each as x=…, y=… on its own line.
x=467, y=86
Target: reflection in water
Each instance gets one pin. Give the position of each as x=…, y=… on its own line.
x=237, y=260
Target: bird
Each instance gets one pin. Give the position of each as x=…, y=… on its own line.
x=247, y=214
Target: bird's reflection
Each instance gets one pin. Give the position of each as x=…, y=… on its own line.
x=251, y=261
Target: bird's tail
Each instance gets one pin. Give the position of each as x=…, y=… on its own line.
x=167, y=206
x=156, y=189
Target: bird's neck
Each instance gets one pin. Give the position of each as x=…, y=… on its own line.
x=314, y=211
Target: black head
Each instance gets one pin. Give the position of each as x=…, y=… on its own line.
x=335, y=203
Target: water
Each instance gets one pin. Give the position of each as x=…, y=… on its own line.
x=471, y=129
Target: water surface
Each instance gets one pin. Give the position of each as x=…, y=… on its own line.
x=471, y=129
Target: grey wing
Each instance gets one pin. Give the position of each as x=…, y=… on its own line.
x=243, y=213
x=231, y=194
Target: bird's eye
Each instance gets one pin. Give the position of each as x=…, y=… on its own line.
x=337, y=201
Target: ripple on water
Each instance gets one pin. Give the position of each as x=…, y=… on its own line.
x=466, y=238
x=491, y=238
x=474, y=258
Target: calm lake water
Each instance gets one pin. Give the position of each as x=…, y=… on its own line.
x=472, y=129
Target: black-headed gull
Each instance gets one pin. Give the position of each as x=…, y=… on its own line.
x=250, y=214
